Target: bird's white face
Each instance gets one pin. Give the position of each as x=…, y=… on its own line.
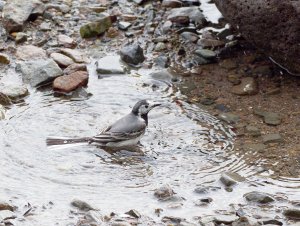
x=144, y=109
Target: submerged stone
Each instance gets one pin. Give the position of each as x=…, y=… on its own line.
x=259, y=197
x=68, y=83
x=110, y=65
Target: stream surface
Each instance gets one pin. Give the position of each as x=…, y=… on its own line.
x=184, y=147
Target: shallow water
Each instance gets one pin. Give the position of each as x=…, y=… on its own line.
x=184, y=147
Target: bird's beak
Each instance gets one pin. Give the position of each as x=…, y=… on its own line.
x=154, y=104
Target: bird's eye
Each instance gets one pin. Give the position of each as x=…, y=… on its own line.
x=146, y=106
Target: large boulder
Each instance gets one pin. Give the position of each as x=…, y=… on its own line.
x=16, y=12
x=271, y=25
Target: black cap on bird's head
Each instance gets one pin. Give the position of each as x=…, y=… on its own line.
x=143, y=107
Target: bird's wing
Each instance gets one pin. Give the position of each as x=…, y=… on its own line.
x=107, y=136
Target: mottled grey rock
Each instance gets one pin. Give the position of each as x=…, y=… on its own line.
x=75, y=55
x=270, y=118
x=206, y=53
x=81, y=205
x=272, y=138
x=184, y=15
x=253, y=130
x=171, y=3
x=16, y=12
x=13, y=91
x=189, y=36
x=163, y=193
x=30, y=52
x=273, y=26
x=38, y=72
x=231, y=178
x=110, y=65
x=132, y=54
x=259, y=197
x=123, y=25
x=254, y=147
x=61, y=60
x=162, y=61
x=229, y=117
x=95, y=28
x=160, y=47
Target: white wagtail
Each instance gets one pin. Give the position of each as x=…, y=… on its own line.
x=125, y=132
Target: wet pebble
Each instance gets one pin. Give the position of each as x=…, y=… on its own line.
x=6, y=206
x=210, y=43
x=162, y=61
x=292, y=214
x=184, y=15
x=81, y=205
x=229, y=117
x=203, y=201
x=66, y=41
x=133, y=213
x=164, y=193
x=234, y=79
x=160, y=47
x=123, y=25
x=272, y=222
x=68, y=83
x=189, y=36
x=248, y=86
x=75, y=67
x=206, y=53
x=110, y=65
x=259, y=197
x=132, y=54
x=21, y=37
x=171, y=3
x=231, y=178
x=4, y=59
x=272, y=138
x=75, y=55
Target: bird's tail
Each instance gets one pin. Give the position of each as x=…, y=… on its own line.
x=65, y=140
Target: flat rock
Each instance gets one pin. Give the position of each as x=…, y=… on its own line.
x=206, y=53
x=248, y=86
x=132, y=54
x=75, y=67
x=16, y=12
x=271, y=25
x=61, y=60
x=292, y=214
x=184, y=15
x=272, y=138
x=163, y=193
x=13, y=91
x=30, y=52
x=189, y=36
x=252, y=130
x=123, y=25
x=270, y=118
x=66, y=41
x=98, y=27
x=6, y=214
x=229, y=117
x=210, y=43
x=68, y=83
x=4, y=59
x=259, y=197
x=231, y=178
x=110, y=65
x=75, y=55
x=38, y=72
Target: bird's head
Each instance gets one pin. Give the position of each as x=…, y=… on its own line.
x=143, y=107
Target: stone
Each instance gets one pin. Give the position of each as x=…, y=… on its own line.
x=6, y=214
x=206, y=53
x=164, y=193
x=160, y=47
x=81, y=205
x=228, y=64
x=59, y=7
x=75, y=55
x=61, y=60
x=45, y=26
x=167, y=26
x=229, y=117
x=39, y=72
x=235, y=79
x=272, y=138
x=252, y=130
x=171, y=3
x=254, y=147
x=273, y=26
x=110, y=65
x=210, y=43
x=231, y=178
x=4, y=59
x=248, y=86
x=16, y=12
x=270, y=118
x=133, y=213
x=123, y=25
x=272, y=222
x=259, y=197
x=185, y=15
x=96, y=28
x=66, y=41
x=292, y=214
x=2, y=112
x=6, y=206
x=162, y=61
x=21, y=37
x=128, y=17
x=75, y=67
x=13, y=91
x=112, y=32
x=225, y=219
x=30, y=52
x=132, y=54
x=189, y=36
x=68, y=83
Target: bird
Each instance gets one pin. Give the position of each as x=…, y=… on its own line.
x=125, y=132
